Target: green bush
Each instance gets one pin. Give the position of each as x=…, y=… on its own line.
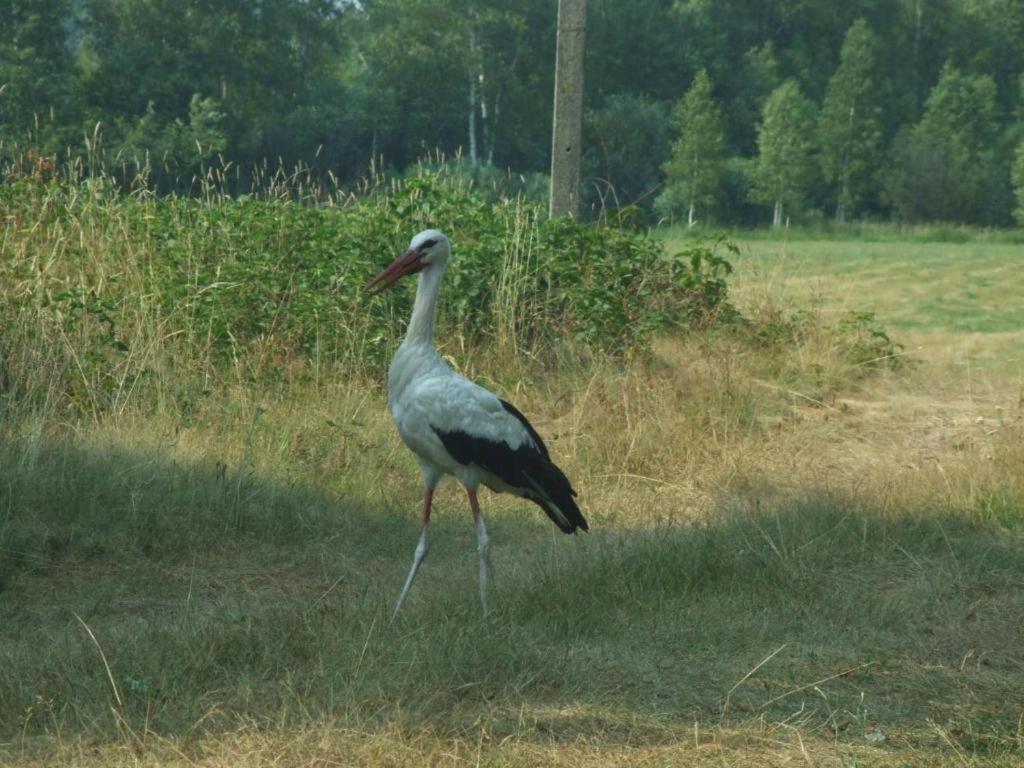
x=233, y=275
x=867, y=343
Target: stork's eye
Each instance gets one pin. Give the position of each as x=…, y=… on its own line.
x=427, y=244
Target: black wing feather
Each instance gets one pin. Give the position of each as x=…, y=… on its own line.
x=527, y=469
x=528, y=426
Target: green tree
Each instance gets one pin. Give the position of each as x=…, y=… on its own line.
x=625, y=142
x=142, y=63
x=178, y=147
x=694, y=173
x=37, y=100
x=849, y=133
x=784, y=165
x=1018, y=184
x=947, y=166
x=454, y=71
x=758, y=76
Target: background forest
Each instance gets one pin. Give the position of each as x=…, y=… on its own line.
x=735, y=112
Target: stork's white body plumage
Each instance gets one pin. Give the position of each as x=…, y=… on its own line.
x=456, y=427
x=426, y=396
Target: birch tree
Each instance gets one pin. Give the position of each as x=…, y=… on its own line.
x=694, y=173
x=849, y=133
x=784, y=141
x=1018, y=184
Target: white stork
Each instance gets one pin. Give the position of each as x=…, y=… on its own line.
x=456, y=427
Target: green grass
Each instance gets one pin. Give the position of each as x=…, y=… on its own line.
x=866, y=231
x=965, y=288
x=150, y=596
x=933, y=293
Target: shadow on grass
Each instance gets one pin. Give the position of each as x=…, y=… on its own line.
x=142, y=593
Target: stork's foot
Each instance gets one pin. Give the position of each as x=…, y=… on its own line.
x=421, y=548
x=421, y=552
x=486, y=574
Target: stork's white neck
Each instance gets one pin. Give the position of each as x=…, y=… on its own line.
x=421, y=324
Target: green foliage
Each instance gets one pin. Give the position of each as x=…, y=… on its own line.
x=694, y=173
x=334, y=86
x=623, y=287
x=784, y=143
x=760, y=74
x=179, y=147
x=858, y=336
x=487, y=182
x=947, y=167
x=867, y=343
x=265, y=280
x=148, y=69
x=849, y=129
x=435, y=62
x=38, y=101
x=624, y=141
x=1018, y=183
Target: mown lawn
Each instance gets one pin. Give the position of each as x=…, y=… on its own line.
x=961, y=295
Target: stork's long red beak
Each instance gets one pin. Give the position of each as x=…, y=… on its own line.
x=409, y=263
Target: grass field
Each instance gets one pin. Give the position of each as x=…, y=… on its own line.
x=958, y=301
x=794, y=558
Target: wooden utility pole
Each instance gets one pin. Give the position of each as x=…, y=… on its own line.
x=566, y=133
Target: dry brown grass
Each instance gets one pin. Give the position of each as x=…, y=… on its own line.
x=333, y=745
x=702, y=425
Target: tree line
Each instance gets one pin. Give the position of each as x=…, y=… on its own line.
x=733, y=112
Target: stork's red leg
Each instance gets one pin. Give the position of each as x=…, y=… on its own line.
x=421, y=549
x=483, y=547
x=428, y=497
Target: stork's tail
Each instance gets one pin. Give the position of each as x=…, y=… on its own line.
x=551, y=491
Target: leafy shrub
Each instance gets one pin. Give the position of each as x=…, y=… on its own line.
x=856, y=340
x=866, y=343
x=230, y=277
x=488, y=182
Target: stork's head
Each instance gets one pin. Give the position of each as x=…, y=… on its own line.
x=429, y=248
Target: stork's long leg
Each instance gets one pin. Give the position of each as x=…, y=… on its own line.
x=421, y=550
x=483, y=548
